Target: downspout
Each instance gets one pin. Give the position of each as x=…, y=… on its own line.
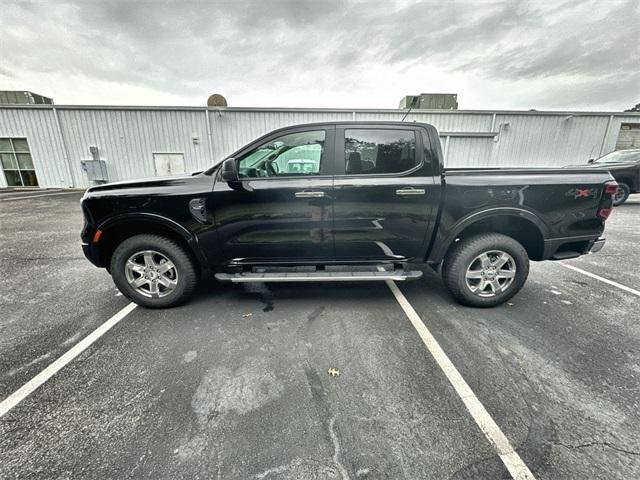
x=493, y=129
x=446, y=149
x=209, y=141
x=65, y=150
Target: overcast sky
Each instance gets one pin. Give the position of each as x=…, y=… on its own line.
x=495, y=55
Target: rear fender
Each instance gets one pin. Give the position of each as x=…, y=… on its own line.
x=441, y=246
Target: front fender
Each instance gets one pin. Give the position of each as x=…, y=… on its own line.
x=163, y=221
x=150, y=217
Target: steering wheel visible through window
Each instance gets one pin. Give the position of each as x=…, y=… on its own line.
x=295, y=154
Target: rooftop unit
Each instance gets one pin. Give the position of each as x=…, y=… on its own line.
x=17, y=97
x=431, y=101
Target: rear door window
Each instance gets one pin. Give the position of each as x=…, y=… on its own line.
x=379, y=151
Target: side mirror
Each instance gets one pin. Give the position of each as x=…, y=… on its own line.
x=591, y=160
x=230, y=170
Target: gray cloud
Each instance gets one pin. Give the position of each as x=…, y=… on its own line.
x=321, y=53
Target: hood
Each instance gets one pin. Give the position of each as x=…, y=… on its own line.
x=139, y=183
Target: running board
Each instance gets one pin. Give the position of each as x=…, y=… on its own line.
x=319, y=276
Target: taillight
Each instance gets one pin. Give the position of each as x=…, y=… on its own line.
x=605, y=212
x=611, y=187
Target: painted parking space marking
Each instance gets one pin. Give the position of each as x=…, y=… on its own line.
x=602, y=279
x=28, y=388
x=10, y=199
x=13, y=193
x=510, y=458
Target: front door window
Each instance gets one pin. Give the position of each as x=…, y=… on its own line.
x=295, y=154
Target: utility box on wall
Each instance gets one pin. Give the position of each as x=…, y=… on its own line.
x=96, y=171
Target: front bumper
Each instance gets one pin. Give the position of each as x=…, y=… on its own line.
x=597, y=245
x=90, y=251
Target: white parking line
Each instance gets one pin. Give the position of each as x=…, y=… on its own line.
x=36, y=196
x=516, y=467
x=602, y=279
x=28, y=388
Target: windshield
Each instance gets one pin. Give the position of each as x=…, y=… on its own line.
x=621, y=156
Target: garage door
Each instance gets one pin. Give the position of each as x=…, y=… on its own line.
x=168, y=164
x=629, y=136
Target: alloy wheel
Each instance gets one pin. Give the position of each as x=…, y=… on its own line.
x=619, y=195
x=491, y=273
x=151, y=274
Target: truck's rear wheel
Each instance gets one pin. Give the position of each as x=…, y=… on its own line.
x=485, y=270
x=621, y=194
x=153, y=271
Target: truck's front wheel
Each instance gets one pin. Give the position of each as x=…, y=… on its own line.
x=153, y=271
x=485, y=270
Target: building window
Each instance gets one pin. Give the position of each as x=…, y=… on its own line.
x=17, y=163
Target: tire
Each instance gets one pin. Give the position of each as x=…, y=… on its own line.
x=465, y=257
x=621, y=195
x=155, y=260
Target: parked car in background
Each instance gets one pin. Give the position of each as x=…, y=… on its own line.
x=624, y=165
x=348, y=201
x=301, y=165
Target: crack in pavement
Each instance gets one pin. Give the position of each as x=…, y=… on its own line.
x=336, y=450
x=596, y=444
x=318, y=395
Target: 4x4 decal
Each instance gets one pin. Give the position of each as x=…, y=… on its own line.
x=582, y=193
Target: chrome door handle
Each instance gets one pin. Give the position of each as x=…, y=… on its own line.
x=306, y=194
x=411, y=191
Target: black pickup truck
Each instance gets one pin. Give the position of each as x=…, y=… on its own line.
x=343, y=201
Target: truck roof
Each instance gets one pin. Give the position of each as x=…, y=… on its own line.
x=426, y=126
x=357, y=122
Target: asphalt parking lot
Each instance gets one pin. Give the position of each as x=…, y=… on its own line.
x=235, y=384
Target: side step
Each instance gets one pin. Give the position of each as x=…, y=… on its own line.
x=319, y=276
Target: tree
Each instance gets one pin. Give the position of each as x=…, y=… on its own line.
x=634, y=109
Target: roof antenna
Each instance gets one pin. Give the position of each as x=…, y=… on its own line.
x=414, y=100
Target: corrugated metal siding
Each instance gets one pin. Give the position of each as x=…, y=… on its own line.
x=127, y=137
x=469, y=152
x=444, y=122
x=39, y=127
x=230, y=129
x=540, y=140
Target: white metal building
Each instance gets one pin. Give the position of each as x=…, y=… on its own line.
x=47, y=143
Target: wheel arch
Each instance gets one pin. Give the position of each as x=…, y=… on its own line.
x=521, y=225
x=117, y=229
